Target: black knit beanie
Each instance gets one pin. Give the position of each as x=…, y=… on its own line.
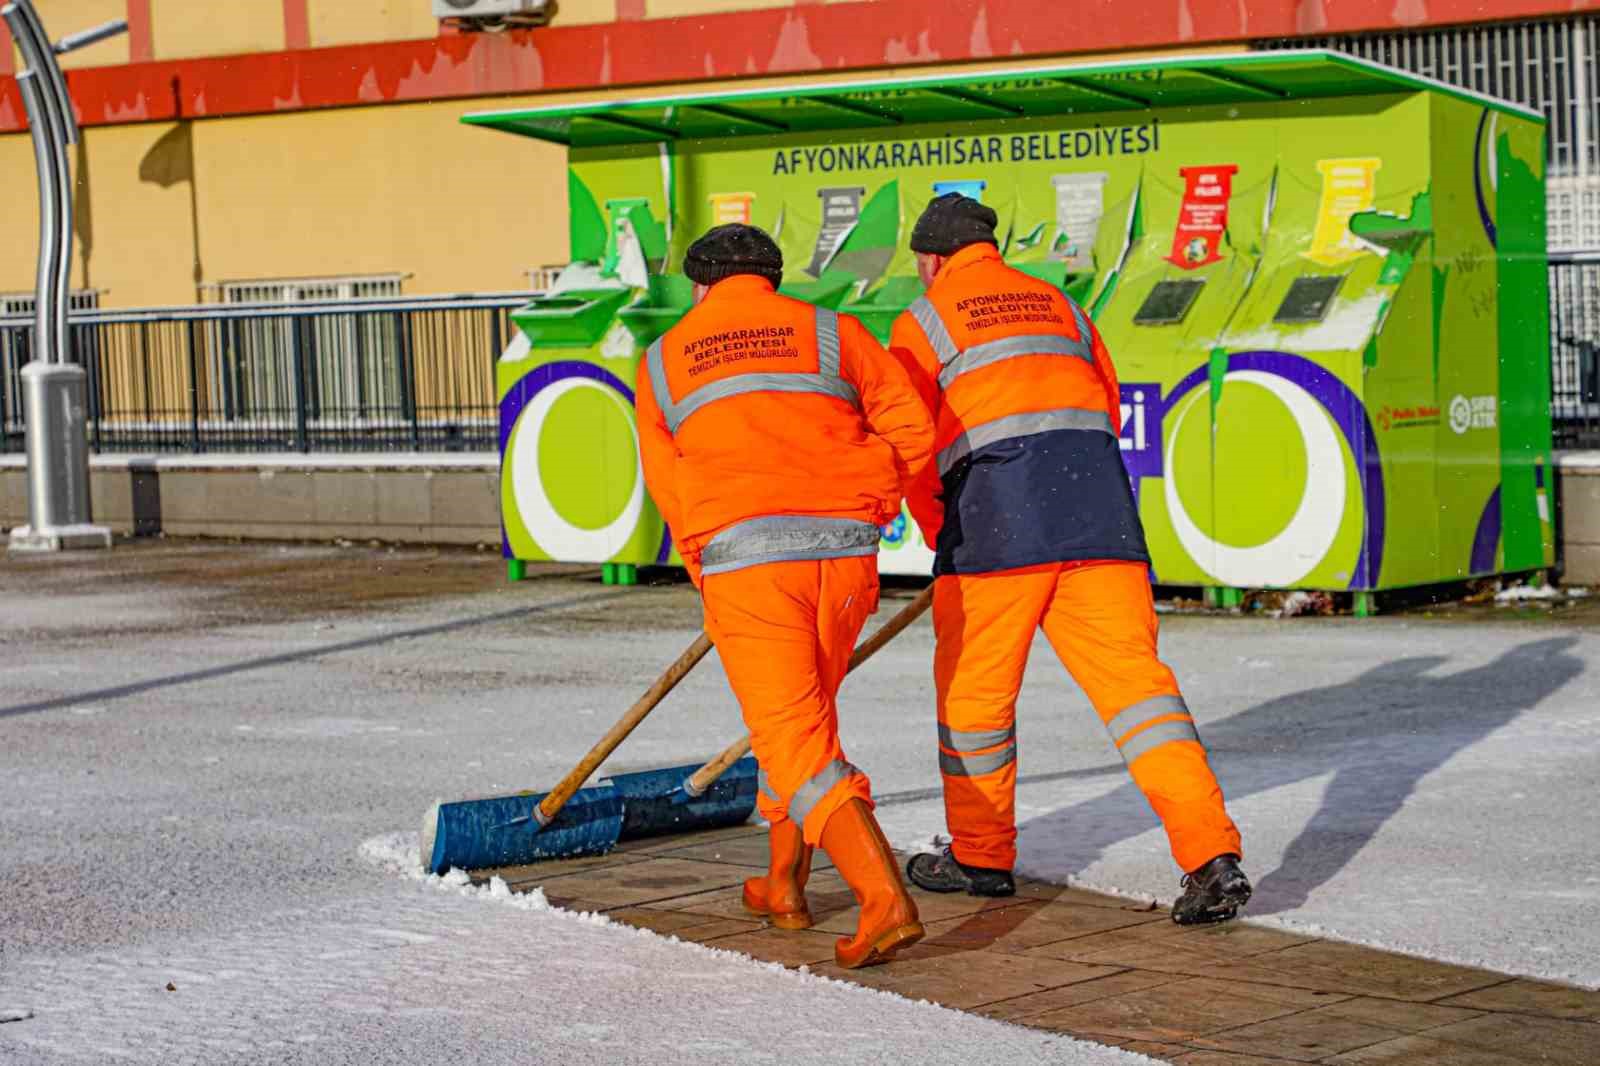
x=733, y=249
x=951, y=222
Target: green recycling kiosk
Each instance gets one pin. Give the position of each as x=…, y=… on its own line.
x=1322, y=282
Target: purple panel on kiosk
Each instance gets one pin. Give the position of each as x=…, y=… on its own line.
x=1144, y=456
x=536, y=381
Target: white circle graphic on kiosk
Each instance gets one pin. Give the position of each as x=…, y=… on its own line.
x=1302, y=544
x=558, y=537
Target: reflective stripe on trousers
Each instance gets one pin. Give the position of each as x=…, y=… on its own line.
x=787, y=538
x=810, y=794
x=827, y=381
x=1179, y=725
x=969, y=755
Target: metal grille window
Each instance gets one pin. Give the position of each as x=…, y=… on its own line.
x=1549, y=65
x=1575, y=348
x=349, y=365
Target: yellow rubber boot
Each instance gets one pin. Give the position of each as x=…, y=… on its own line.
x=889, y=919
x=780, y=895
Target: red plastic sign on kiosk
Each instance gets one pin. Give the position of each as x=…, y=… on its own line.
x=1203, y=216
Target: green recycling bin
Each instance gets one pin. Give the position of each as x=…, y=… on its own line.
x=1321, y=281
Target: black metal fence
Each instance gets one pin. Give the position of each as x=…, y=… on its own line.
x=1575, y=348
x=357, y=375
x=418, y=374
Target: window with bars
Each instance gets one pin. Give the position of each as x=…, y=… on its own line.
x=1549, y=65
x=23, y=303
x=349, y=365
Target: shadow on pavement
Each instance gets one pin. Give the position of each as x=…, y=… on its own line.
x=1378, y=734
x=135, y=688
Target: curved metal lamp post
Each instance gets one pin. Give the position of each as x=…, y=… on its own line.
x=52, y=387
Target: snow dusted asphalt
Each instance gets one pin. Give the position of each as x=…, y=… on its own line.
x=207, y=753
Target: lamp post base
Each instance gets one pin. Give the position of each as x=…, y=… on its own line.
x=59, y=538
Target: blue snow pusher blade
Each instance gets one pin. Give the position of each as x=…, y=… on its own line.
x=655, y=803
x=501, y=831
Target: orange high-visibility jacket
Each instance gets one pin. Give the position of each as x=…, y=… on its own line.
x=1028, y=469
x=773, y=430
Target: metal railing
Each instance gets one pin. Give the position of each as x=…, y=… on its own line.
x=418, y=374
x=354, y=375
x=1575, y=348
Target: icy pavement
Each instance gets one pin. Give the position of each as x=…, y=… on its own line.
x=199, y=739
x=200, y=763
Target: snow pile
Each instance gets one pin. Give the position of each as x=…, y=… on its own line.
x=1301, y=602
x=397, y=853
x=1523, y=593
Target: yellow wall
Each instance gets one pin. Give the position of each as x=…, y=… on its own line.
x=183, y=29
x=378, y=190
x=358, y=21
x=140, y=238
x=577, y=12
x=61, y=17
x=374, y=190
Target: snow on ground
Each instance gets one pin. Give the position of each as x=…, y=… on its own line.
x=189, y=771
x=196, y=873
x=434, y=969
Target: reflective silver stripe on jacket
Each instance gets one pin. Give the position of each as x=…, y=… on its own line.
x=1021, y=425
x=933, y=328
x=956, y=362
x=787, y=538
x=826, y=381
x=810, y=794
x=982, y=355
x=1144, y=712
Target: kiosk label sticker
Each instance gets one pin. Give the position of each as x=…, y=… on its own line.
x=1203, y=216
x=729, y=207
x=1348, y=186
x=1080, y=202
x=841, y=206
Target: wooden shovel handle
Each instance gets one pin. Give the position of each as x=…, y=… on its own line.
x=703, y=778
x=551, y=805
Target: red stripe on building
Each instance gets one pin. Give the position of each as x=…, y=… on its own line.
x=881, y=33
x=296, y=24
x=141, y=45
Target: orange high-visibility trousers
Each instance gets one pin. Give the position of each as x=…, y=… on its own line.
x=784, y=632
x=1100, y=619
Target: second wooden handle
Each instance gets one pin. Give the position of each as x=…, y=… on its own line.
x=551, y=805
x=704, y=777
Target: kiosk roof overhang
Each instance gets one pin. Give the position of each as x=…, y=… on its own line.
x=1035, y=92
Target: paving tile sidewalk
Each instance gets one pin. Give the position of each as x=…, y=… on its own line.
x=1104, y=969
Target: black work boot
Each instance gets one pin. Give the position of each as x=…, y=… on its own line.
x=943, y=873
x=1213, y=893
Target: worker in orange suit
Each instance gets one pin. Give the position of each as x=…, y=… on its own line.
x=1033, y=521
x=777, y=438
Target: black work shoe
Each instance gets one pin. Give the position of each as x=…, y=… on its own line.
x=1213, y=893
x=942, y=873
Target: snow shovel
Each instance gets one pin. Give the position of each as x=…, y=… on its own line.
x=569, y=821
